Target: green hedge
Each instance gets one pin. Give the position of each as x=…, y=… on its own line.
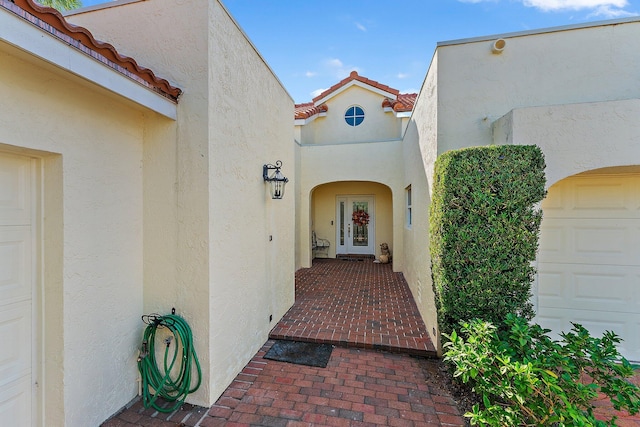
x=484, y=228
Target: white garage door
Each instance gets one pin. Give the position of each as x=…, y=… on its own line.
x=589, y=259
x=16, y=280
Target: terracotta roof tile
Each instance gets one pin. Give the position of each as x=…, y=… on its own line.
x=51, y=21
x=306, y=110
x=354, y=76
x=404, y=102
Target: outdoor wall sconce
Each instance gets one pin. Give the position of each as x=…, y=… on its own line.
x=277, y=180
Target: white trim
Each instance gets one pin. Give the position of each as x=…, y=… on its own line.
x=325, y=144
x=355, y=83
x=302, y=122
x=370, y=249
x=398, y=114
x=28, y=38
x=633, y=19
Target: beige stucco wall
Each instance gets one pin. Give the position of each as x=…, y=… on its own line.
x=576, y=137
x=233, y=263
x=568, y=91
x=323, y=213
x=476, y=87
x=419, y=148
x=252, y=236
x=90, y=150
x=379, y=162
x=333, y=152
x=378, y=125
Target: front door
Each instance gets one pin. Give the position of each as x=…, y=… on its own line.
x=356, y=225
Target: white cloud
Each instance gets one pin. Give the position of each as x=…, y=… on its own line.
x=607, y=8
x=402, y=75
x=609, y=12
x=557, y=5
x=338, y=69
x=361, y=27
x=317, y=92
x=333, y=63
x=310, y=74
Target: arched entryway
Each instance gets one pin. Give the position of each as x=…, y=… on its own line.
x=589, y=256
x=355, y=217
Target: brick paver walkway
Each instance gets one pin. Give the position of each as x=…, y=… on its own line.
x=359, y=386
x=355, y=304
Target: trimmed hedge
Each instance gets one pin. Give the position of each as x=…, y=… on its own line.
x=484, y=228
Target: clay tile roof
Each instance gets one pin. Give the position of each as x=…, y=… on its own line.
x=306, y=110
x=51, y=21
x=404, y=102
x=354, y=76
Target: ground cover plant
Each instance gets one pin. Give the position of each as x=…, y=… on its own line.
x=525, y=378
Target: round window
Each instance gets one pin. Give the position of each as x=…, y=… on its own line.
x=354, y=115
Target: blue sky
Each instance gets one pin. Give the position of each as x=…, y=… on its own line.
x=311, y=45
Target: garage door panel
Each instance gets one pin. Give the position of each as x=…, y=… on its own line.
x=625, y=326
x=590, y=241
x=589, y=257
x=15, y=403
x=599, y=196
x=15, y=264
x=15, y=190
x=550, y=288
x=590, y=287
x=15, y=334
x=16, y=290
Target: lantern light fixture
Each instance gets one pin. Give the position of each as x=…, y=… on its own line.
x=277, y=180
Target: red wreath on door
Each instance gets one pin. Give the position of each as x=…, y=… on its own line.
x=360, y=218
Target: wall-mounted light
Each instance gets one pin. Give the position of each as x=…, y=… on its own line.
x=277, y=180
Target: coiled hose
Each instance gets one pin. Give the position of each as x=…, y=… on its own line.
x=173, y=381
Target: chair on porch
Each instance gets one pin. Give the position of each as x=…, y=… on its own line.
x=319, y=244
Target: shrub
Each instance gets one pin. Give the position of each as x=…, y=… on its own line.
x=525, y=378
x=484, y=228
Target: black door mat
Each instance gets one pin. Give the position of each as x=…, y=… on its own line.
x=301, y=353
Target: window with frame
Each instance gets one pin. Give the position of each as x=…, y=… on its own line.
x=354, y=115
x=409, y=218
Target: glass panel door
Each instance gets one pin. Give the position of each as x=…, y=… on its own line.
x=355, y=231
x=360, y=221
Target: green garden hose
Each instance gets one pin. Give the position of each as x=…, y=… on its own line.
x=173, y=381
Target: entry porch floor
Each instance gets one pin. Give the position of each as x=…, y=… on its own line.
x=354, y=302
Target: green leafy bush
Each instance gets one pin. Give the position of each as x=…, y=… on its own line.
x=484, y=228
x=527, y=379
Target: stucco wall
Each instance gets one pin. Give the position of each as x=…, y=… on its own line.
x=324, y=220
x=379, y=162
x=419, y=153
x=252, y=251
x=233, y=117
x=576, y=137
x=476, y=87
x=377, y=125
x=557, y=84
x=90, y=146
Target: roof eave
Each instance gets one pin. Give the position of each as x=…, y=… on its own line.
x=302, y=122
x=350, y=84
x=27, y=37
